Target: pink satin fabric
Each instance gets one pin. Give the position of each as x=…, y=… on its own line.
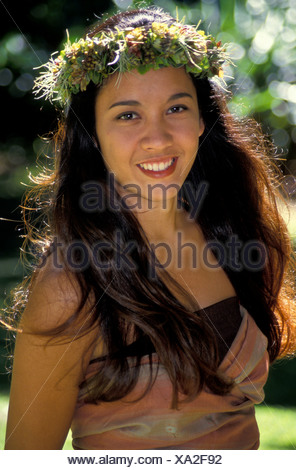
x=209, y=422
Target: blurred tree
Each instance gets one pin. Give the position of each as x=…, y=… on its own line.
x=31, y=31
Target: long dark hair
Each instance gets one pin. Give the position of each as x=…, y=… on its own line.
x=130, y=305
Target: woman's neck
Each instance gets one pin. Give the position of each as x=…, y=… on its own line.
x=160, y=221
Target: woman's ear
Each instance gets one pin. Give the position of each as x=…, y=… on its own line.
x=96, y=141
x=201, y=126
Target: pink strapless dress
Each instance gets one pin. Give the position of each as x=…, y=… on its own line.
x=208, y=422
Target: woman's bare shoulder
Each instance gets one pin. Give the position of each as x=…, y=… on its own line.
x=54, y=295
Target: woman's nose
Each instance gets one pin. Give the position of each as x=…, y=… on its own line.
x=156, y=136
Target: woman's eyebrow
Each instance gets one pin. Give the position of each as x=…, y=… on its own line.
x=137, y=103
x=176, y=96
x=125, y=103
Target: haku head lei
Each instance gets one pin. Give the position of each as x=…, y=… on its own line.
x=161, y=45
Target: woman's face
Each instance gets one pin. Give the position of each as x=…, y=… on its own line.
x=148, y=127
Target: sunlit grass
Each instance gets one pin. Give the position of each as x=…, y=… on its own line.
x=3, y=414
x=277, y=426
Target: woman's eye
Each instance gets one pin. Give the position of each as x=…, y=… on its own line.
x=126, y=116
x=177, y=109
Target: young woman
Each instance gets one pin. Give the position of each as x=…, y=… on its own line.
x=162, y=290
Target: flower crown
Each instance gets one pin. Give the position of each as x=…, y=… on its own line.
x=94, y=58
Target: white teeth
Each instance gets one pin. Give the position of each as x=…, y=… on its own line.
x=157, y=166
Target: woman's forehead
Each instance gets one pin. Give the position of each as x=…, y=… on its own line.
x=163, y=82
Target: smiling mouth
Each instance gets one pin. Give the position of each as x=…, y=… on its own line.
x=160, y=169
x=157, y=167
